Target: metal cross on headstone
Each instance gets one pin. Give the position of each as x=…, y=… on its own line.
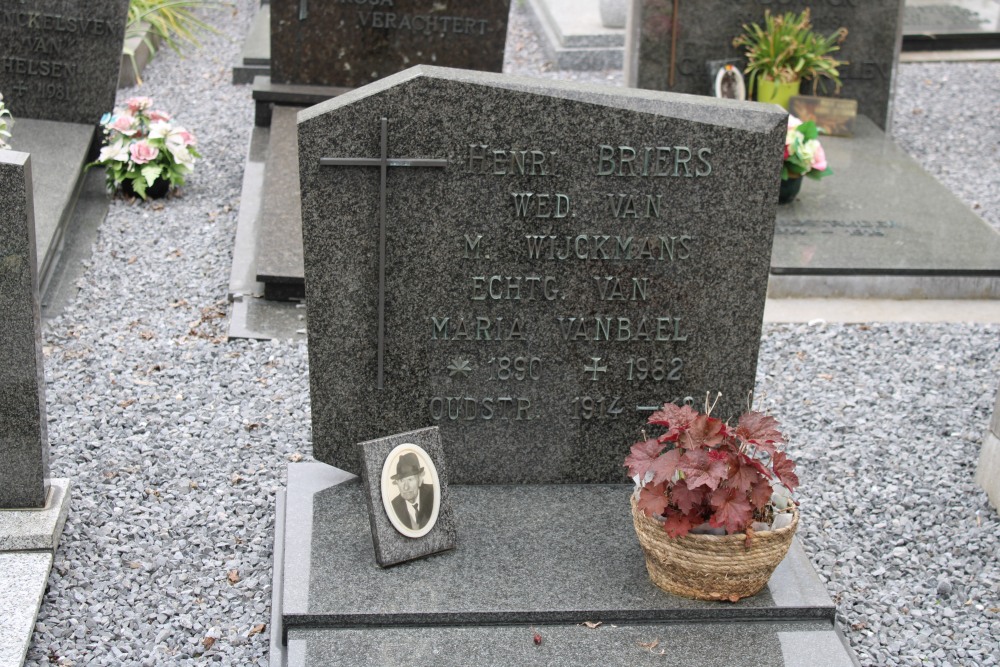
x=383, y=162
x=303, y=10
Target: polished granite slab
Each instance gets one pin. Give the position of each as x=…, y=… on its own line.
x=784, y=644
x=556, y=554
x=882, y=216
x=543, y=559
x=58, y=153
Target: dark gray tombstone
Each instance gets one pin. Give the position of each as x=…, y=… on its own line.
x=320, y=49
x=59, y=64
x=317, y=42
x=24, y=449
x=706, y=29
x=59, y=60
x=531, y=267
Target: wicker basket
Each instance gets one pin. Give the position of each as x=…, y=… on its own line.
x=711, y=567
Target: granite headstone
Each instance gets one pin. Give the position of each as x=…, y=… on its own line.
x=706, y=29
x=533, y=267
x=59, y=59
x=24, y=459
x=353, y=42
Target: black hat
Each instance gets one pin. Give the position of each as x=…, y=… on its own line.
x=408, y=464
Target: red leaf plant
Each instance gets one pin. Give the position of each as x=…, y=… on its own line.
x=703, y=471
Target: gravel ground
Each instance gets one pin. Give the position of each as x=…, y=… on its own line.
x=176, y=441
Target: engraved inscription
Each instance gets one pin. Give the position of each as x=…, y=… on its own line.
x=533, y=202
x=653, y=161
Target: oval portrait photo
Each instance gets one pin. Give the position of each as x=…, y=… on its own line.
x=411, y=491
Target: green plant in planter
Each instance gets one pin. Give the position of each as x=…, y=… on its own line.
x=170, y=21
x=6, y=120
x=144, y=152
x=787, y=50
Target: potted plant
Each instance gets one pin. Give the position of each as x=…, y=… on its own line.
x=5, y=122
x=785, y=51
x=145, y=153
x=804, y=157
x=712, y=506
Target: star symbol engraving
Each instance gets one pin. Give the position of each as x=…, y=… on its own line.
x=459, y=366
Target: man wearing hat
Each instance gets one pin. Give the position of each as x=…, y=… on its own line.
x=415, y=501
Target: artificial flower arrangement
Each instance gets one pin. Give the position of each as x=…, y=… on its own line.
x=144, y=152
x=804, y=155
x=702, y=474
x=5, y=122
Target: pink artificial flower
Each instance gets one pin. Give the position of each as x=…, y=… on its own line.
x=819, y=158
x=184, y=136
x=123, y=124
x=793, y=121
x=142, y=152
x=156, y=114
x=139, y=103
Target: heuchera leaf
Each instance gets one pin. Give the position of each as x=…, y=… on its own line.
x=679, y=524
x=784, y=470
x=687, y=499
x=732, y=510
x=760, y=494
x=742, y=473
x=701, y=469
x=665, y=466
x=760, y=430
x=642, y=457
x=676, y=419
x=653, y=499
x=704, y=432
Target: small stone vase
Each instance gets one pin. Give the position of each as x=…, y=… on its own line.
x=789, y=190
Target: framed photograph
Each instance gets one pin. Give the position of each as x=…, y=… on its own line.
x=406, y=488
x=411, y=490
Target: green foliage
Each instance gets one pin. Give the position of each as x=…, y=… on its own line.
x=172, y=21
x=786, y=49
x=6, y=120
x=702, y=470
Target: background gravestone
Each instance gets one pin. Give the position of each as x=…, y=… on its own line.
x=319, y=42
x=707, y=27
x=558, y=261
x=59, y=59
x=24, y=459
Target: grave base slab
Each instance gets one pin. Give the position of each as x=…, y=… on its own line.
x=548, y=557
x=255, y=59
x=267, y=95
x=36, y=529
x=23, y=578
x=58, y=153
x=573, y=36
x=881, y=227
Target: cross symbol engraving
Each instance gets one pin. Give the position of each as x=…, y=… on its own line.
x=383, y=162
x=595, y=369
